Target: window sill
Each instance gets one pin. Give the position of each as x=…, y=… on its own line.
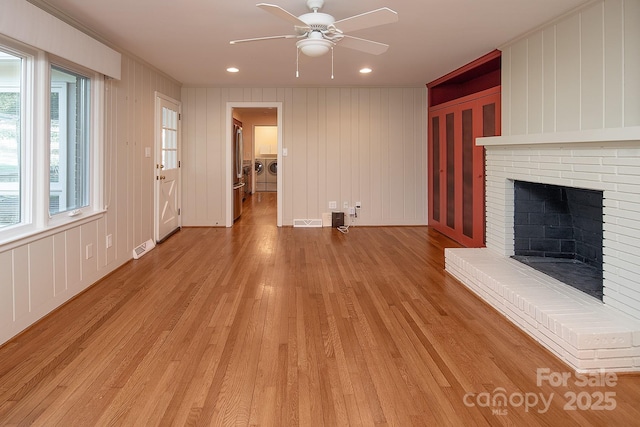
x=32, y=235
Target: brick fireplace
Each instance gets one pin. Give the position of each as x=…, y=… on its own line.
x=583, y=331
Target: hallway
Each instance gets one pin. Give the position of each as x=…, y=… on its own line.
x=258, y=209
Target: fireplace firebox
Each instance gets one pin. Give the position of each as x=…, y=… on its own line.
x=558, y=231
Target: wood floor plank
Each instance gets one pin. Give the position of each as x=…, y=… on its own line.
x=261, y=326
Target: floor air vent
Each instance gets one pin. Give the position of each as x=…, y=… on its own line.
x=307, y=223
x=143, y=249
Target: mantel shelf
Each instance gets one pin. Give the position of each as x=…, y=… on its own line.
x=625, y=134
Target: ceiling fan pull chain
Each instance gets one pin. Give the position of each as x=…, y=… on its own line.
x=331, y=62
x=297, y=61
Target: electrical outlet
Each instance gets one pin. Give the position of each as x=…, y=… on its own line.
x=345, y=205
x=109, y=240
x=358, y=205
x=333, y=204
x=352, y=211
x=89, y=251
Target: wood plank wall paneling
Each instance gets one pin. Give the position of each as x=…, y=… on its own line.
x=6, y=289
x=41, y=275
x=548, y=82
x=632, y=62
x=567, y=74
x=535, y=75
x=345, y=144
x=613, y=56
x=578, y=73
x=592, y=67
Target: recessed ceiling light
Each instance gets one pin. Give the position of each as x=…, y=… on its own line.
x=232, y=70
x=365, y=70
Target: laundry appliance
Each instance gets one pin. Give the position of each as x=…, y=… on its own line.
x=272, y=175
x=261, y=174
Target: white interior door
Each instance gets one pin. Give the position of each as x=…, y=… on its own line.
x=167, y=167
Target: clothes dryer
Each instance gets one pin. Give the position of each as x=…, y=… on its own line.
x=272, y=175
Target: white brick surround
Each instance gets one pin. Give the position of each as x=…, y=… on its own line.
x=606, y=334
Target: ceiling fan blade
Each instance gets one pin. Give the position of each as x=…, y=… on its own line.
x=288, y=36
x=282, y=14
x=363, y=45
x=366, y=20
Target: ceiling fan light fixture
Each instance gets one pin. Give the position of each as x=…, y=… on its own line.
x=232, y=70
x=365, y=70
x=314, y=46
x=320, y=32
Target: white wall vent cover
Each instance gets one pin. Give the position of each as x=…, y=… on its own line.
x=143, y=249
x=307, y=223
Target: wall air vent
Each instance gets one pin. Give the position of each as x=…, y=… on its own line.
x=143, y=249
x=307, y=223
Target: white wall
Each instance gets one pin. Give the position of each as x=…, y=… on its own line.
x=41, y=273
x=578, y=73
x=344, y=144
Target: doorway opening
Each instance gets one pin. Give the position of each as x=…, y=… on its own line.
x=167, y=186
x=261, y=161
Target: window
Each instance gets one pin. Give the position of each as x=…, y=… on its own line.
x=11, y=152
x=70, y=135
x=50, y=141
x=169, y=138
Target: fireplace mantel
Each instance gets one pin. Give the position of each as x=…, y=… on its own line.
x=609, y=135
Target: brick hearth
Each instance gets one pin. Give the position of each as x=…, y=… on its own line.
x=579, y=329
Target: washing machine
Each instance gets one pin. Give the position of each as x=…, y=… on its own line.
x=261, y=174
x=272, y=174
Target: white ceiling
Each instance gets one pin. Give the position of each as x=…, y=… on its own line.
x=189, y=39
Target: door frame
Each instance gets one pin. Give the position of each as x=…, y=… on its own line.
x=229, y=160
x=156, y=160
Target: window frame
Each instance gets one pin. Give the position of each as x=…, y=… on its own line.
x=64, y=142
x=96, y=107
x=4, y=88
x=28, y=77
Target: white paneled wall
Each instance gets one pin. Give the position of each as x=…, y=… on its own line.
x=41, y=273
x=344, y=144
x=579, y=73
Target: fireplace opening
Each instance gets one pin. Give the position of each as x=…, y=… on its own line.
x=558, y=231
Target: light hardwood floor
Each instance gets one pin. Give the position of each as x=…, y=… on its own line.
x=260, y=326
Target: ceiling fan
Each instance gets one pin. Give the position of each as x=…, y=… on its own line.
x=319, y=32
